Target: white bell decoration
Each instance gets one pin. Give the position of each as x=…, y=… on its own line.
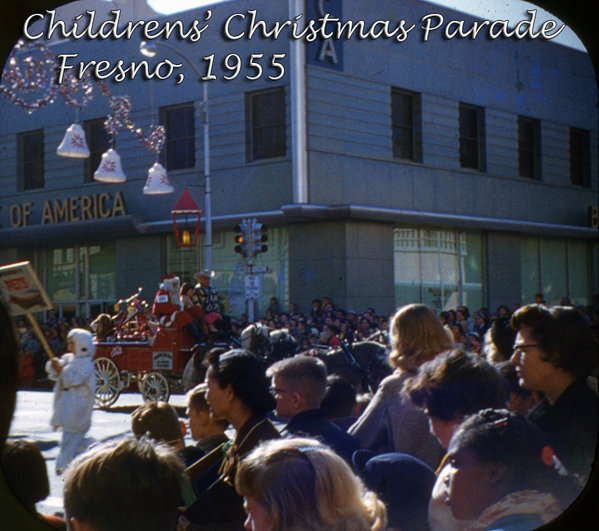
x=157, y=182
x=110, y=170
x=73, y=144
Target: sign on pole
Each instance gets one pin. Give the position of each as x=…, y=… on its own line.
x=252, y=287
x=252, y=294
x=22, y=290
x=24, y=294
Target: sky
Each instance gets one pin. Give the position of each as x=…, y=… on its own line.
x=487, y=9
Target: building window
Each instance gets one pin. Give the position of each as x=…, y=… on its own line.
x=556, y=268
x=405, y=125
x=529, y=148
x=472, y=137
x=179, y=148
x=80, y=280
x=580, y=157
x=266, y=124
x=98, y=141
x=30, y=147
x=440, y=268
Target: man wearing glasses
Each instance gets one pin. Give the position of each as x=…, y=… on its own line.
x=299, y=386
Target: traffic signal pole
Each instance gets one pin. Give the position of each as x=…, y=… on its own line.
x=250, y=238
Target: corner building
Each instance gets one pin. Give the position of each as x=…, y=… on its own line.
x=446, y=171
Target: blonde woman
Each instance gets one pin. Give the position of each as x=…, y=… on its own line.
x=391, y=423
x=298, y=484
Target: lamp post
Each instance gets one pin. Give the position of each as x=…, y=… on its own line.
x=149, y=49
x=186, y=207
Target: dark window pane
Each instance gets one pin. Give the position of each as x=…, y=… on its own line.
x=529, y=148
x=580, y=157
x=98, y=141
x=472, y=134
x=179, y=148
x=267, y=127
x=402, y=124
x=31, y=159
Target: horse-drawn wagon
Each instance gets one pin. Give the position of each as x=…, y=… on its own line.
x=134, y=350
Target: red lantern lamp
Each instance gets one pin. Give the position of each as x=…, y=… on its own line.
x=186, y=221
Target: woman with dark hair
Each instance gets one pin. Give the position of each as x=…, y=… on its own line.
x=499, y=340
x=238, y=391
x=502, y=474
x=449, y=388
x=555, y=353
x=24, y=468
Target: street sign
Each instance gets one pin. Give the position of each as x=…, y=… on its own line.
x=252, y=287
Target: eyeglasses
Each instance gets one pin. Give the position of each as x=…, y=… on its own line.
x=522, y=347
x=276, y=391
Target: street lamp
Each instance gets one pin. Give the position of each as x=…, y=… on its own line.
x=149, y=49
x=186, y=207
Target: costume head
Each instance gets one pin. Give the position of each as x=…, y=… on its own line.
x=84, y=342
x=172, y=284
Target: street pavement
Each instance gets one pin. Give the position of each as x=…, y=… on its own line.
x=32, y=422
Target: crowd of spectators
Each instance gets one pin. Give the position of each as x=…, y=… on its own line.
x=323, y=326
x=465, y=442
x=32, y=359
x=326, y=324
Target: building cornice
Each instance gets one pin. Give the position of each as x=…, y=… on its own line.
x=130, y=226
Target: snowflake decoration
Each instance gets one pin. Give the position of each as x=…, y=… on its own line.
x=109, y=166
x=77, y=141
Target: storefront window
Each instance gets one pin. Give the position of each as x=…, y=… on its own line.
x=80, y=281
x=529, y=268
x=578, y=272
x=554, y=270
x=557, y=268
x=442, y=269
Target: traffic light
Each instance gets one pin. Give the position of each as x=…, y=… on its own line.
x=259, y=237
x=241, y=237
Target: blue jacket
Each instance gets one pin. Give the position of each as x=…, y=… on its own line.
x=314, y=423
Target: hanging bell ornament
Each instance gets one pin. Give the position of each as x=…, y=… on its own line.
x=157, y=182
x=73, y=144
x=110, y=170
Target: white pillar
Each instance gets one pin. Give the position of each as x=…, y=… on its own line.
x=299, y=153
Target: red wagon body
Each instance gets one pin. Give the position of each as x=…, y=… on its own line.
x=138, y=351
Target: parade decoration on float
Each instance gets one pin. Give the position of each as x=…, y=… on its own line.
x=28, y=82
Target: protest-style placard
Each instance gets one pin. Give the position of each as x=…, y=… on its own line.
x=21, y=289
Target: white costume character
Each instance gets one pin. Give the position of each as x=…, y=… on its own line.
x=74, y=393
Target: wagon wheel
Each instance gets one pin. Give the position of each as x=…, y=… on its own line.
x=108, y=382
x=154, y=386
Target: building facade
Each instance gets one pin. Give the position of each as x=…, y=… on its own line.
x=387, y=170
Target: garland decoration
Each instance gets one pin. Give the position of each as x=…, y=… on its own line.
x=29, y=81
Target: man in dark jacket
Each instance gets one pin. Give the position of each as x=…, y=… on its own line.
x=555, y=352
x=299, y=385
